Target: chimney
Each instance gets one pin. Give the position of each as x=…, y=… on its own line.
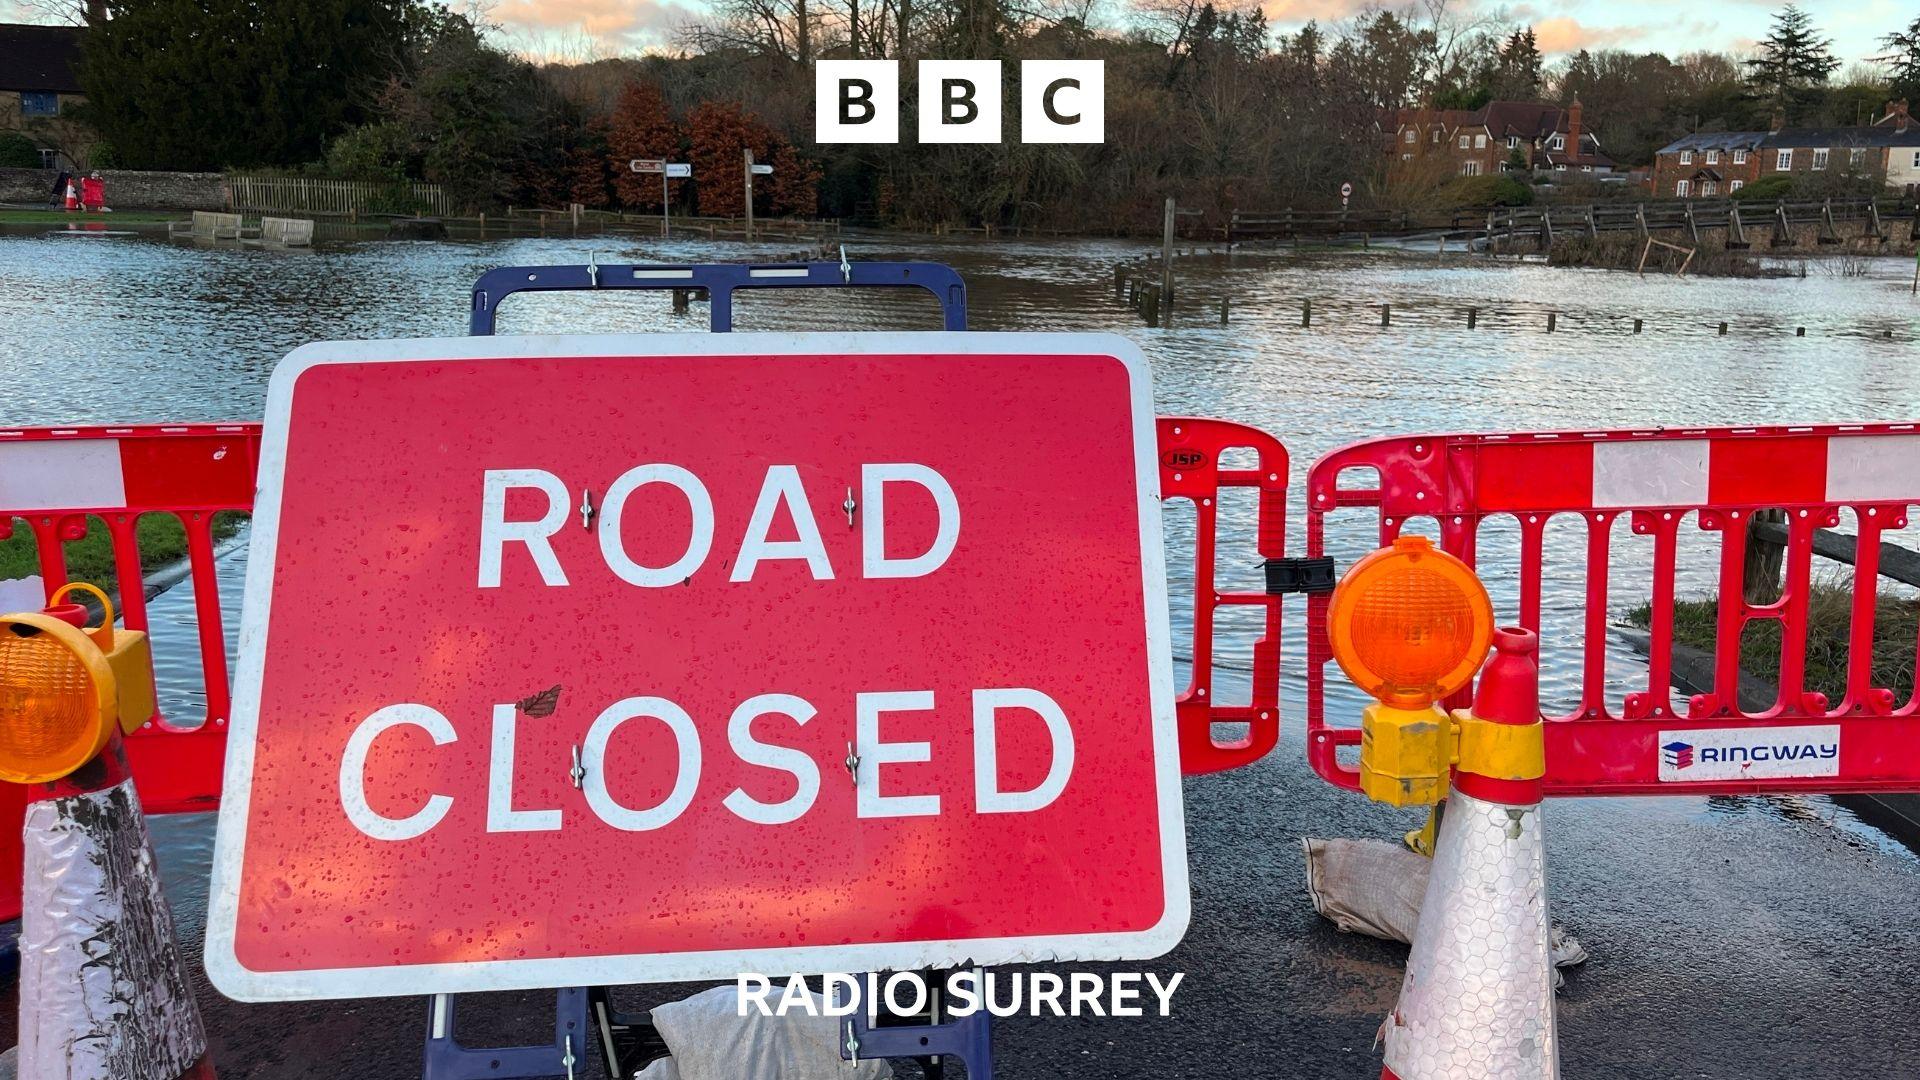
x=1898, y=110
x=96, y=12
x=1573, y=127
x=1779, y=121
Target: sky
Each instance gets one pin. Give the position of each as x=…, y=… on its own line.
x=583, y=29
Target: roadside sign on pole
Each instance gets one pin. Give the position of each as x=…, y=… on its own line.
x=762, y=170
x=647, y=165
x=1346, y=190
x=679, y=170
x=566, y=662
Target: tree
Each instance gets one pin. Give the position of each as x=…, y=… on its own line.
x=1902, y=60
x=195, y=84
x=641, y=129
x=1793, y=64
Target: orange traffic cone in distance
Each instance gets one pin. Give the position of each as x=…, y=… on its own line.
x=1477, y=1001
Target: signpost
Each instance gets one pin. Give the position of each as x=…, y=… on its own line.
x=668, y=170
x=1346, y=192
x=574, y=661
x=752, y=171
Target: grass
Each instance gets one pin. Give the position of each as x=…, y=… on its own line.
x=162, y=539
x=1829, y=620
x=61, y=217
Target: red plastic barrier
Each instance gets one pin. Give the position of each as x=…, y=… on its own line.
x=1865, y=742
x=54, y=478
x=1190, y=450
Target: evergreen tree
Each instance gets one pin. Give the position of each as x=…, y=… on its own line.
x=1517, y=76
x=1903, y=61
x=1793, y=64
x=195, y=84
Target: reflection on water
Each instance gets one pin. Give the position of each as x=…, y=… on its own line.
x=135, y=328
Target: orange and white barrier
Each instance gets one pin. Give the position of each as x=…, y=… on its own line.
x=1477, y=1001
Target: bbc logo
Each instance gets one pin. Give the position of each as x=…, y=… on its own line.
x=858, y=101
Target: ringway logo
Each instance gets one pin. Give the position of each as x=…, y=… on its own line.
x=1750, y=753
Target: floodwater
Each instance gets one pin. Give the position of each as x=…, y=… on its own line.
x=1753, y=937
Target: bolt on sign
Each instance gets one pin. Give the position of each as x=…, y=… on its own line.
x=594, y=660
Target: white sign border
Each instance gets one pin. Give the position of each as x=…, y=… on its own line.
x=242, y=984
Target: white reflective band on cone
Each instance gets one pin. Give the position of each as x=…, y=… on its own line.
x=1477, y=1003
x=103, y=992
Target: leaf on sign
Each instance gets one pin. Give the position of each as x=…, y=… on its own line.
x=541, y=704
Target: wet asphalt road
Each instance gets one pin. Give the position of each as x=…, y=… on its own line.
x=1731, y=938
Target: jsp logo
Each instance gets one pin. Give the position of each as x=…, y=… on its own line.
x=858, y=101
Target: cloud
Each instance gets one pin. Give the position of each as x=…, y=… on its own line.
x=610, y=26
x=1290, y=12
x=1564, y=34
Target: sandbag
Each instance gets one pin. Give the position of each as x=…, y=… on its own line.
x=1374, y=887
x=710, y=1041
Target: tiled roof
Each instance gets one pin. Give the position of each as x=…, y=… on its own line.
x=1715, y=140
x=39, y=57
x=1843, y=137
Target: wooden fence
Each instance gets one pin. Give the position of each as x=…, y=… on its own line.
x=1550, y=222
x=350, y=198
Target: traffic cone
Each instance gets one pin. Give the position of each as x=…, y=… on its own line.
x=104, y=994
x=1478, y=997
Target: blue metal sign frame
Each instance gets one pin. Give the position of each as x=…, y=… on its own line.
x=719, y=281
x=969, y=1039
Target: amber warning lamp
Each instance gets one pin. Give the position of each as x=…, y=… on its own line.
x=1410, y=625
x=64, y=686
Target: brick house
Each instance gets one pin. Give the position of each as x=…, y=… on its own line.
x=1888, y=149
x=39, y=86
x=1513, y=136
x=1707, y=164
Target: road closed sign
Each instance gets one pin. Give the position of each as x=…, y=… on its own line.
x=574, y=661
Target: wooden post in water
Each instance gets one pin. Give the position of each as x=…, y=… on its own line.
x=1386, y=314
x=1306, y=312
x=680, y=299
x=1764, y=559
x=1166, y=260
x=1150, y=305
x=1119, y=280
x=1473, y=317
x=1552, y=317
x=1223, y=311
x=1723, y=329
x=1636, y=326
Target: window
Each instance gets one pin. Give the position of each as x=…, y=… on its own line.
x=1559, y=168
x=1586, y=168
x=1713, y=157
x=1739, y=157
x=1406, y=157
x=1785, y=161
x=1857, y=157
x=1559, y=142
x=1469, y=168
x=1480, y=141
x=1463, y=142
x=1513, y=142
x=1708, y=187
x=1410, y=136
x=49, y=159
x=1680, y=188
x=39, y=103
x=1438, y=135
x=1735, y=185
x=1686, y=157
x=1916, y=159
x=1819, y=159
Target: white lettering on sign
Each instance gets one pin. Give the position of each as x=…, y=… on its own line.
x=501, y=816
x=699, y=539
x=874, y=752
x=805, y=773
x=782, y=487
x=988, y=798
x=593, y=758
x=496, y=531
x=781, y=492
x=1743, y=753
x=353, y=773
x=873, y=540
x=869, y=803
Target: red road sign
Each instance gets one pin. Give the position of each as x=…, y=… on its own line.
x=483, y=739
